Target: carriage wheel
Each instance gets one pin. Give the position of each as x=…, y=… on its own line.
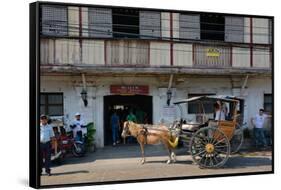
x=237, y=140
x=209, y=147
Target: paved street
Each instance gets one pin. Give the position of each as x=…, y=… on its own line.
x=123, y=163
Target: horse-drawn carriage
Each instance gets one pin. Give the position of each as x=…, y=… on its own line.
x=210, y=141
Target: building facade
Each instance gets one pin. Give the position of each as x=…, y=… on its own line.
x=132, y=57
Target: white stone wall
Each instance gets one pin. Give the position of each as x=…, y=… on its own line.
x=254, y=96
x=98, y=87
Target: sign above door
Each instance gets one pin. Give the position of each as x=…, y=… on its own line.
x=129, y=89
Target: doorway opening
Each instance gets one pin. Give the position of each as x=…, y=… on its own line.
x=140, y=105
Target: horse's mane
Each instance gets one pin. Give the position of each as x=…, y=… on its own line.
x=137, y=125
x=134, y=127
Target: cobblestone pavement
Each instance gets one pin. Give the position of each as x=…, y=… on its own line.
x=123, y=163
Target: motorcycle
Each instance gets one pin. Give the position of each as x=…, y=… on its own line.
x=64, y=143
x=74, y=145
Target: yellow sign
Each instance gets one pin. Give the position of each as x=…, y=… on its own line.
x=213, y=52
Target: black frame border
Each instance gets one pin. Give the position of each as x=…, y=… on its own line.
x=34, y=92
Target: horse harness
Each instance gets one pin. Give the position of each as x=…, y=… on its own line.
x=144, y=132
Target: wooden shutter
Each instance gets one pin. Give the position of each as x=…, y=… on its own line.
x=100, y=22
x=234, y=29
x=189, y=26
x=150, y=24
x=54, y=20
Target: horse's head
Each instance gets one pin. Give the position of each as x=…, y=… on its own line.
x=126, y=131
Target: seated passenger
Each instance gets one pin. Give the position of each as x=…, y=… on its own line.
x=219, y=113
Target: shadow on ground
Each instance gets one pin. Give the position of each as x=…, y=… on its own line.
x=243, y=162
x=133, y=151
x=122, y=151
x=70, y=173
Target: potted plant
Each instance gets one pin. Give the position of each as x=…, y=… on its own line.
x=90, y=143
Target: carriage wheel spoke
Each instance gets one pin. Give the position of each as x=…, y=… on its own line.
x=210, y=137
x=211, y=161
x=222, y=146
x=220, y=151
x=199, y=153
x=202, y=139
x=201, y=142
x=217, y=137
x=214, y=140
x=205, y=162
x=216, y=160
x=203, y=156
x=219, y=141
x=219, y=159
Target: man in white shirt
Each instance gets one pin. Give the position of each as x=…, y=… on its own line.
x=78, y=127
x=258, y=122
x=219, y=113
x=46, y=135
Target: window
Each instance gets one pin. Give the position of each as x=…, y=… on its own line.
x=150, y=24
x=212, y=27
x=51, y=104
x=100, y=22
x=189, y=26
x=234, y=29
x=196, y=108
x=54, y=20
x=125, y=23
x=267, y=103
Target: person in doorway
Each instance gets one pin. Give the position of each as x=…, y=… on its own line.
x=258, y=121
x=78, y=127
x=46, y=136
x=140, y=115
x=131, y=117
x=115, y=126
x=145, y=120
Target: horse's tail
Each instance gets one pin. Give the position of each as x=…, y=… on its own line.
x=175, y=143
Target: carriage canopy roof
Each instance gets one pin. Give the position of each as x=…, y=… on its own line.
x=223, y=98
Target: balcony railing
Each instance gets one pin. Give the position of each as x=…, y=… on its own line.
x=212, y=56
x=127, y=53
x=143, y=53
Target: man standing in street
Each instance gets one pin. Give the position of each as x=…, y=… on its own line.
x=46, y=135
x=258, y=122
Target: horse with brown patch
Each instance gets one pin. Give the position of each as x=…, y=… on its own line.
x=151, y=135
